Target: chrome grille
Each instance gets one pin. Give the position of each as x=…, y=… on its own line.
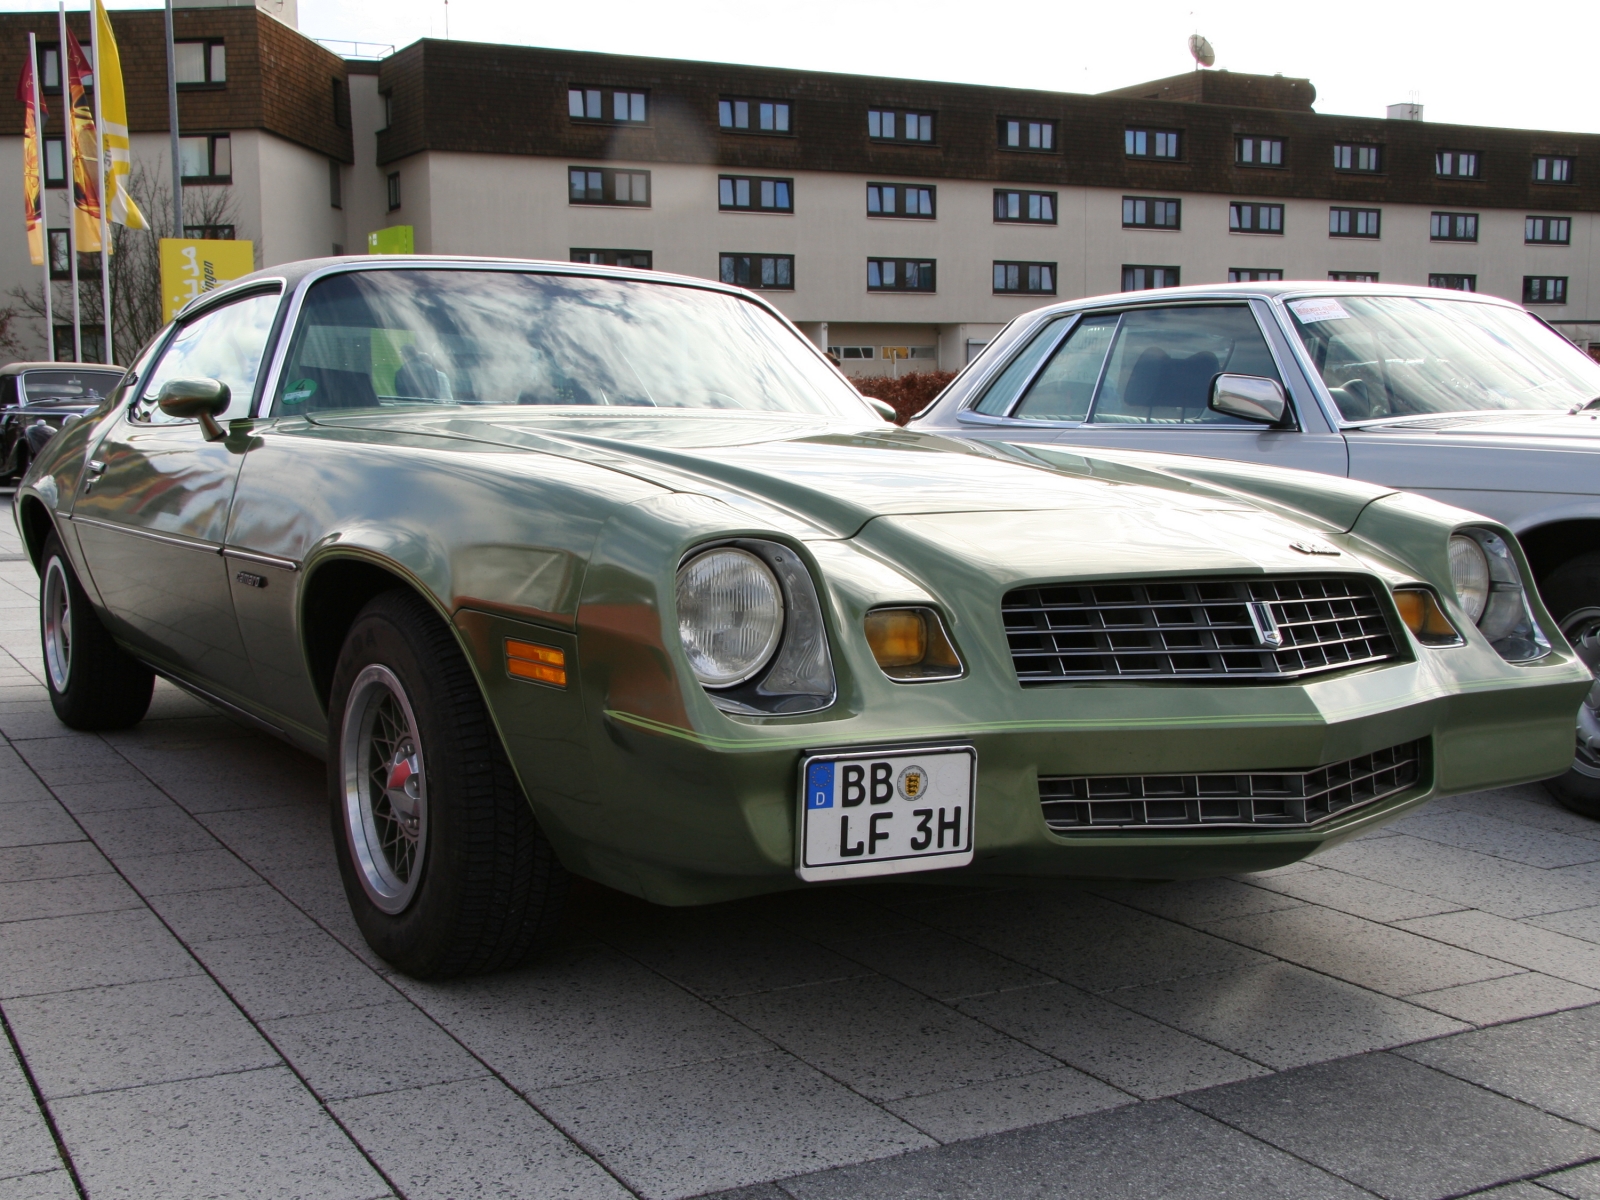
x=1196, y=628
x=1254, y=798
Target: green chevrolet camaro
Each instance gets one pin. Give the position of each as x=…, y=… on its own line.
x=565, y=569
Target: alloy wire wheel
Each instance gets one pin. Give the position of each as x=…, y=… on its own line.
x=385, y=789
x=55, y=617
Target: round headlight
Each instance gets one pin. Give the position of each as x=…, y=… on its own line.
x=1469, y=572
x=730, y=615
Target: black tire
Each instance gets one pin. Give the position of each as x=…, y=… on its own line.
x=464, y=881
x=94, y=683
x=1572, y=594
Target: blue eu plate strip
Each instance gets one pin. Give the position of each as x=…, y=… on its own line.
x=819, y=785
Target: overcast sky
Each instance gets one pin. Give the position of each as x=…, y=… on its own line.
x=1528, y=65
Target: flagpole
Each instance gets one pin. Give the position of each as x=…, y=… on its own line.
x=44, y=207
x=172, y=126
x=105, y=196
x=72, y=203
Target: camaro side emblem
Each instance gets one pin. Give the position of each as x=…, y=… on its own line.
x=249, y=580
x=1267, y=632
x=1313, y=548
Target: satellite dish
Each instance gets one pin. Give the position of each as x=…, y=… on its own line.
x=1201, y=49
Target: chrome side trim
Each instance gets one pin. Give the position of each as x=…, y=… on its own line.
x=167, y=538
x=266, y=560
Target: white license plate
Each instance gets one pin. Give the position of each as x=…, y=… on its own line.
x=886, y=813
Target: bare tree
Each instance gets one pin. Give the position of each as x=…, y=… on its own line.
x=135, y=262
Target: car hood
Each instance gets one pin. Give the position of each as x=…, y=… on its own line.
x=818, y=476
x=1583, y=425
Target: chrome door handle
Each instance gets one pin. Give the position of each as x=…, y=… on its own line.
x=95, y=469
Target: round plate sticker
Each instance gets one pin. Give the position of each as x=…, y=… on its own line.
x=913, y=782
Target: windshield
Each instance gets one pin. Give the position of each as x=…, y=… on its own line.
x=1402, y=356
x=76, y=387
x=451, y=338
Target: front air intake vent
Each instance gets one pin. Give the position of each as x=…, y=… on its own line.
x=1257, y=629
x=1279, y=799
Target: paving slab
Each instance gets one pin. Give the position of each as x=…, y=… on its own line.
x=26, y=1147
x=1357, y=896
x=363, y=1051
x=55, y=954
x=30, y=899
x=1552, y=1062
x=257, y=1134
x=1200, y=901
x=83, y=798
x=883, y=1039
x=1501, y=838
x=46, y=1185
x=1509, y=998
x=1016, y=1102
x=1397, y=1128
x=250, y=911
x=58, y=860
x=1577, y=922
x=732, y=957
x=76, y=760
x=939, y=965
x=102, y=1038
x=290, y=974
x=1159, y=1149
x=1579, y=1183
x=128, y=833
x=1124, y=1048
x=37, y=823
x=1537, y=949
x=1285, y=1016
x=190, y=871
x=472, y=1139
x=717, y=1125
x=282, y=837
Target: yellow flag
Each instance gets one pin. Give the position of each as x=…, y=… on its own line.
x=114, y=144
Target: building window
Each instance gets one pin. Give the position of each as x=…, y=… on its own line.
x=853, y=352
x=93, y=341
x=394, y=190
x=1253, y=274
x=1456, y=164
x=1152, y=143
x=614, y=258
x=739, y=193
x=49, y=68
x=1544, y=289
x=1552, y=169
x=335, y=184
x=764, y=272
x=1453, y=227
x=885, y=125
x=1027, y=208
x=1141, y=278
x=206, y=158
x=1455, y=283
x=1025, y=279
x=899, y=200
x=1348, y=156
x=341, y=105
x=1547, y=231
x=739, y=114
x=209, y=233
x=60, y=250
x=1020, y=133
x=1258, y=152
x=605, y=186
x=1353, y=222
x=609, y=106
x=1255, y=218
x=55, y=162
x=1141, y=213
x=899, y=275
x=1353, y=276
x=200, y=64
x=387, y=98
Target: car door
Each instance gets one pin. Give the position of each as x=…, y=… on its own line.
x=1140, y=379
x=154, y=509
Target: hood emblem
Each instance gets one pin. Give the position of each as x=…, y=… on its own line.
x=1268, y=635
x=1311, y=547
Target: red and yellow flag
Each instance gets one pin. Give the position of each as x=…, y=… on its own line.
x=85, y=151
x=30, y=165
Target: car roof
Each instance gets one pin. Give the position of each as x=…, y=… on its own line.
x=1285, y=289
x=17, y=368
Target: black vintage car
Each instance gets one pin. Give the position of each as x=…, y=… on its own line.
x=45, y=394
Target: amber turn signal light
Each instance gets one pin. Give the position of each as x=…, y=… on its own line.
x=529, y=660
x=910, y=644
x=1420, y=610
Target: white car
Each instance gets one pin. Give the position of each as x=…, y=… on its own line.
x=1468, y=399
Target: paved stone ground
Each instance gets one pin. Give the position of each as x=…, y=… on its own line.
x=190, y=1012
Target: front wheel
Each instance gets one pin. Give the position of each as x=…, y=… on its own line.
x=445, y=868
x=1572, y=593
x=94, y=684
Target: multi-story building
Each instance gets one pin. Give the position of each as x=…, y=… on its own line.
x=887, y=217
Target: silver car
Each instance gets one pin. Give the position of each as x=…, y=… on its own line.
x=1468, y=399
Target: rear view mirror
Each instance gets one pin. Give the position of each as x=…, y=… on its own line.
x=1251, y=397
x=884, y=410
x=196, y=399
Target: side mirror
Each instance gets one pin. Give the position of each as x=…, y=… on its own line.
x=1252, y=397
x=882, y=408
x=196, y=399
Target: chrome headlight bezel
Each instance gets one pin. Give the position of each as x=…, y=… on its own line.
x=1506, y=618
x=797, y=676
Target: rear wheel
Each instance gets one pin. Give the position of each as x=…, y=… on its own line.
x=93, y=682
x=446, y=870
x=1572, y=594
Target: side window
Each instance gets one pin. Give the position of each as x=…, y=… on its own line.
x=227, y=343
x=997, y=400
x=1062, y=391
x=1164, y=360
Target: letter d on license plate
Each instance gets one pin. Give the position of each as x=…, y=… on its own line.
x=886, y=813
